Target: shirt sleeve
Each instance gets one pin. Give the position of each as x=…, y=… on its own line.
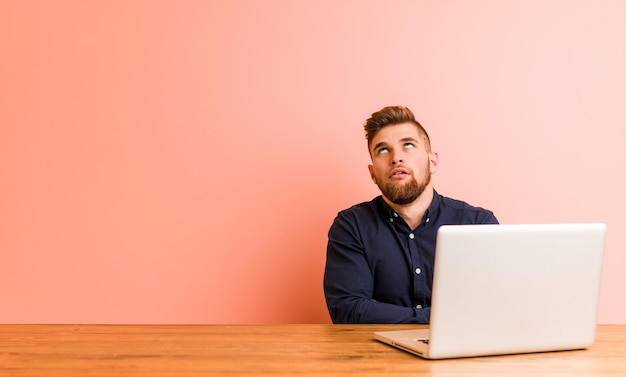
x=349, y=284
x=487, y=217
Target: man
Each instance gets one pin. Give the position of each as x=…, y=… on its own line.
x=380, y=255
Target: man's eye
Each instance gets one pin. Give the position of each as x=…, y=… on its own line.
x=382, y=150
x=409, y=145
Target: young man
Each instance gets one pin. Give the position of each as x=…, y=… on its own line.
x=380, y=255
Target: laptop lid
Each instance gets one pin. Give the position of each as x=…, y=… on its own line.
x=501, y=289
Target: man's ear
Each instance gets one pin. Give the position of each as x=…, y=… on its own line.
x=434, y=161
x=371, y=169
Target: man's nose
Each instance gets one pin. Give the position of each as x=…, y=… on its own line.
x=396, y=158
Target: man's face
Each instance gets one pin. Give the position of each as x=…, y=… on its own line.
x=402, y=162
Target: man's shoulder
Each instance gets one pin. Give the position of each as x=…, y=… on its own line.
x=357, y=218
x=371, y=206
x=456, y=205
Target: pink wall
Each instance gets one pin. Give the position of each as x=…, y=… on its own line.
x=181, y=161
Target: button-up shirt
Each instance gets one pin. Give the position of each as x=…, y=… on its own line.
x=378, y=269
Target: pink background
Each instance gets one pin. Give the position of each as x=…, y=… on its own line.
x=181, y=161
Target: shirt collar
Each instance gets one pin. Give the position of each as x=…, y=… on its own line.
x=433, y=210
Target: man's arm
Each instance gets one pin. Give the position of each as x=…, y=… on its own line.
x=349, y=283
x=488, y=218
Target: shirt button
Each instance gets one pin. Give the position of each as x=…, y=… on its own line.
x=395, y=214
x=411, y=236
x=418, y=307
x=418, y=270
x=391, y=219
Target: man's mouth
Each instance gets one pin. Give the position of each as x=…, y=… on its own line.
x=398, y=173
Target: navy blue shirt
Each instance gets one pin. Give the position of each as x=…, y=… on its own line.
x=378, y=270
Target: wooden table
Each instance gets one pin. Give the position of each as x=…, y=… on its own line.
x=261, y=350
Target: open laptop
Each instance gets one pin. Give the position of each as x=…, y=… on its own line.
x=503, y=289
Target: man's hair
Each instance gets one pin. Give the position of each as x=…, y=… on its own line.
x=388, y=116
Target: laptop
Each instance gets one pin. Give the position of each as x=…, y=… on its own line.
x=506, y=289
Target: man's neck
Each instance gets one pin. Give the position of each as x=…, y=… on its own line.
x=413, y=213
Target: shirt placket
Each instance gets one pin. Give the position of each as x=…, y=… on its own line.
x=417, y=267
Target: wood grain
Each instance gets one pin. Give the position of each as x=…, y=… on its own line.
x=261, y=350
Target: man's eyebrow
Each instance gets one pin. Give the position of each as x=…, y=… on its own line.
x=409, y=138
x=378, y=145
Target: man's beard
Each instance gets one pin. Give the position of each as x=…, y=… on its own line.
x=404, y=194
